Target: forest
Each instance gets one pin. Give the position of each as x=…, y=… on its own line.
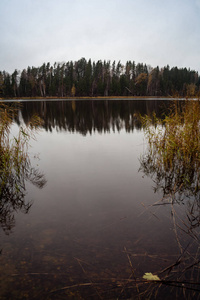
x=86, y=78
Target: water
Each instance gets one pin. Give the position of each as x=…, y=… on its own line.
x=91, y=224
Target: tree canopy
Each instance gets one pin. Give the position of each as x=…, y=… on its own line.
x=84, y=78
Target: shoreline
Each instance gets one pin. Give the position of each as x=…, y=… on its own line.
x=95, y=98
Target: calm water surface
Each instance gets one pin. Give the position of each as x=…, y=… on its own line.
x=92, y=217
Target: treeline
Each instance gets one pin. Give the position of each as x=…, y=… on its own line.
x=84, y=78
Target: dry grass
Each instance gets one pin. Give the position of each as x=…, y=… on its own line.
x=172, y=160
x=174, y=148
x=15, y=166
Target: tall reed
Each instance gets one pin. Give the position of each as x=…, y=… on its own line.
x=172, y=160
x=15, y=166
x=174, y=146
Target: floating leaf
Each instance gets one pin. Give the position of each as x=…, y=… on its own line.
x=150, y=276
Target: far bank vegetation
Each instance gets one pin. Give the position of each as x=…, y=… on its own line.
x=84, y=78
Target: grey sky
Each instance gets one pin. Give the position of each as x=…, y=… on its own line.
x=155, y=32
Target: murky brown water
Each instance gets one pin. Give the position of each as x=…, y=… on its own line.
x=91, y=225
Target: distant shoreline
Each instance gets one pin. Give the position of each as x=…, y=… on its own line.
x=94, y=98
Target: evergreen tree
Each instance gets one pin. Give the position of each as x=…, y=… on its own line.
x=99, y=79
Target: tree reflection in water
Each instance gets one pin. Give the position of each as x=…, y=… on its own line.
x=15, y=167
x=172, y=161
x=89, y=116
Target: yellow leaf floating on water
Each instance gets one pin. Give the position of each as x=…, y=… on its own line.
x=150, y=276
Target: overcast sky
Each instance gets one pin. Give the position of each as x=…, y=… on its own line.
x=155, y=32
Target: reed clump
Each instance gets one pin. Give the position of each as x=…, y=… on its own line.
x=172, y=161
x=174, y=147
x=15, y=165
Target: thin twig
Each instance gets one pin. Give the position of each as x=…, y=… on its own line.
x=79, y=262
x=133, y=272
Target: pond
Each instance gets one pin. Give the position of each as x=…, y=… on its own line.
x=92, y=230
